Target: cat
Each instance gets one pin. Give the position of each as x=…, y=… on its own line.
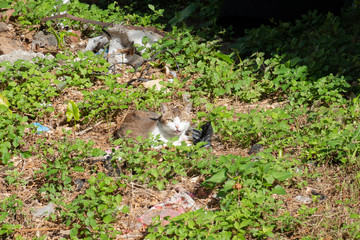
x=173, y=122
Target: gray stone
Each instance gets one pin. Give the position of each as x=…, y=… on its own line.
x=20, y=54
x=43, y=40
x=3, y=27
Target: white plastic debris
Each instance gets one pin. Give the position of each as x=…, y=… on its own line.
x=123, y=40
x=303, y=199
x=44, y=211
x=96, y=43
x=179, y=203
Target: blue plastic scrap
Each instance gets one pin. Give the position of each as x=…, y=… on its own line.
x=40, y=128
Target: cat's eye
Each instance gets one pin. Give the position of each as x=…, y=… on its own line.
x=169, y=120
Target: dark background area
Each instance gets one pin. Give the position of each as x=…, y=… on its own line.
x=240, y=14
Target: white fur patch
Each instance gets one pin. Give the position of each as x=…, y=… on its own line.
x=176, y=128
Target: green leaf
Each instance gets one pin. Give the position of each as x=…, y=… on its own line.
x=125, y=209
x=245, y=223
x=69, y=115
x=5, y=158
x=107, y=219
x=5, y=5
x=281, y=176
x=4, y=102
x=80, y=53
x=78, y=169
x=25, y=154
x=183, y=14
x=16, y=141
x=72, y=111
x=224, y=57
x=279, y=190
x=160, y=185
x=229, y=185
x=218, y=177
x=3, y=215
x=118, y=199
x=154, y=172
x=191, y=224
x=151, y=7
x=73, y=233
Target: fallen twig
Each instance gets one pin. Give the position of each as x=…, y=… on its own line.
x=88, y=129
x=39, y=229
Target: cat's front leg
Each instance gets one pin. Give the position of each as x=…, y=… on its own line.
x=187, y=139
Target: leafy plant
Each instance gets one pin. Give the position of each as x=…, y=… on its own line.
x=237, y=183
x=9, y=208
x=14, y=178
x=72, y=112
x=60, y=37
x=321, y=42
x=183, y=14
x=91, y=214
x=4, y=102
x=150, y=167
x=12, y=128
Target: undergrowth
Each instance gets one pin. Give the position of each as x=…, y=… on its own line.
x=319, y=123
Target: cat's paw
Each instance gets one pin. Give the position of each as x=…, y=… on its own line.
x=188, y=140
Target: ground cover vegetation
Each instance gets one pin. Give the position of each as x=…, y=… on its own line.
x=290, y=87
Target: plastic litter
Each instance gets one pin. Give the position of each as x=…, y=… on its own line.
x=179, y=203
x=40, y=128
x=96, y=43
x=123, y=38
x=303, y=199
x=46, y=104
x=44, y=211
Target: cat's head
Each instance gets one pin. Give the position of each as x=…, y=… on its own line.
x=175, y=121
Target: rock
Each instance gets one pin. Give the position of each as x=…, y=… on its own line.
x=79, y=183
x=255, y=149
x=8, y=45
x=41, y=40
x=3, y=27
x=20, y=54
x=44, y=211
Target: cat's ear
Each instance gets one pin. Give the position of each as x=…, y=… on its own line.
x=187, y=107
x=164, y=108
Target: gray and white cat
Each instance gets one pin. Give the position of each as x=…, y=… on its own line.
x=173, y=122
